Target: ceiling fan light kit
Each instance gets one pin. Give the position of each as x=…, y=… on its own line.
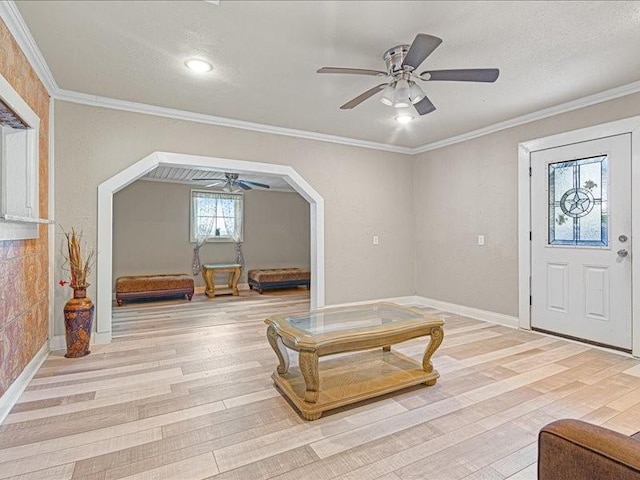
x=415, y=93
x=402, y=61
x=401, y=97
x=397, y=95
x=388, y=93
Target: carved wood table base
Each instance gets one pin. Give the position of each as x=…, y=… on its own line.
x=315, y=387
x=233, y=271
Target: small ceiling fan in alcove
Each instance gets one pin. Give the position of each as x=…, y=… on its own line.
x=231, y=183
x=400, y=89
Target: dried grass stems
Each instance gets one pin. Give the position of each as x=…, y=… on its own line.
x=78, y=268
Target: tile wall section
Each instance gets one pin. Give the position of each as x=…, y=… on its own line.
x=24, y=283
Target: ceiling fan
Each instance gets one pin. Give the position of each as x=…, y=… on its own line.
x=400, y=90
x=231, y=182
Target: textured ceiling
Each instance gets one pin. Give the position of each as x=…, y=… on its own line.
x=265, y=55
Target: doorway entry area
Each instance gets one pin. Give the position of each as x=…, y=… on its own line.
x=581, y=229
x=576, y=233
x=107, y=189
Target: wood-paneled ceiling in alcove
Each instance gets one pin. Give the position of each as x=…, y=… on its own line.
x=186, y=176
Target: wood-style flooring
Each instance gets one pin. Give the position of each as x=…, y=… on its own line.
x=184, y=392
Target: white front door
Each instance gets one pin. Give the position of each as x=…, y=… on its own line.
x=581, y=240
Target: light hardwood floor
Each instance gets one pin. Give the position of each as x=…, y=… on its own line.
x=184, y=392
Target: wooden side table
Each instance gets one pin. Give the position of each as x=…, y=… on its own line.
x=234, y=270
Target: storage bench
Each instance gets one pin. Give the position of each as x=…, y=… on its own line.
x=278, y=278
x=153, y=286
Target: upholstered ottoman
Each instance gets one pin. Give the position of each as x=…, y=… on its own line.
x=278, y=278
x=153, y=286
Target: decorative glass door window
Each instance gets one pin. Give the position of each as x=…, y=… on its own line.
x=578, y=211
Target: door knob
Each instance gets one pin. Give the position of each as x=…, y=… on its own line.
x=623, y=253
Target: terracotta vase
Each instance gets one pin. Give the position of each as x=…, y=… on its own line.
x=78, y=319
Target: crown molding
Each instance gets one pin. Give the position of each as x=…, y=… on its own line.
x=106, y=102
x=610, y=94
x=113, y=103
x=12, y=18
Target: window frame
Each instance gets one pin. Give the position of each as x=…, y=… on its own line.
x=22, y=224
x=213, y=238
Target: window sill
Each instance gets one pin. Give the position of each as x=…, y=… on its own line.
x=219, y=240
x=18, y=219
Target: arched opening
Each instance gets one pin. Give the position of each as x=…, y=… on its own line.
x=108, y=188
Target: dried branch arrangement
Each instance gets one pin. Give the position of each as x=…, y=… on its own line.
x=78, y=268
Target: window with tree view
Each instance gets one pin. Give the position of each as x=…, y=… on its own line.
x=216, y=216
x=578, y=210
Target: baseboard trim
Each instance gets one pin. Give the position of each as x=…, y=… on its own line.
x=59, y=342
x=100, y=338
x=409, y=300
x=11, y=396
x=478, y=314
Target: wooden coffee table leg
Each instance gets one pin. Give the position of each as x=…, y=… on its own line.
x=309, y=368
x=281, y=352
x=437, y=336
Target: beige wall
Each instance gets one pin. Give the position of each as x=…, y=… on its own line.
x=151, y=231
x=366, y=192
x=470, y=188
x=427, y=242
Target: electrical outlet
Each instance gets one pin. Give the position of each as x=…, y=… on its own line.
x=375, y=240
x=480, y=239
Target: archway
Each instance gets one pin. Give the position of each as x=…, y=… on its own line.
x=108, y=188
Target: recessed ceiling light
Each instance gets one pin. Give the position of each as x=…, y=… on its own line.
x=197, y=65
x=403, y=118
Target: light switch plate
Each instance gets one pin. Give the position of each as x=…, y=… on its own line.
x=480, y=239
x=375, y=240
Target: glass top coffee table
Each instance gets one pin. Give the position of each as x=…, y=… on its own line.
x=350, y=378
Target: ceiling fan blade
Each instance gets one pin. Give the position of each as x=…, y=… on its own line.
x=353, y=71
x=362, y=97
x=463, y=75
x=423, y=45
x=255, y=184
x=424, y=106
x=208, y=180
x=243, y=185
